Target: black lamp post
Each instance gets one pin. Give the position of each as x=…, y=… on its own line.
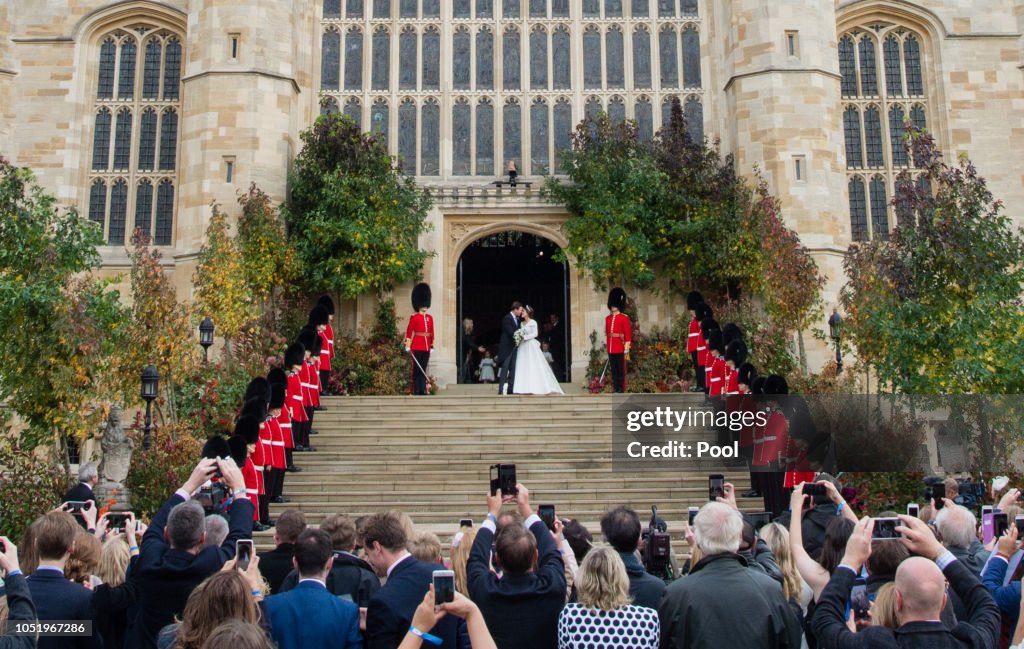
x=835, y=326
x=150, y=387
x=206, y=337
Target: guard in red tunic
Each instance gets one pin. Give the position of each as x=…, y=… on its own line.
x=293, y=418
x=618, y=332
x=746, y=403
x=693, y=339
x=327, y=350
x=419, y=337
x=717, y=374
x=318, y=320
x=247, y=432
x=775, y=441
x=310, y=341
x=275, y=469
x=705, y=358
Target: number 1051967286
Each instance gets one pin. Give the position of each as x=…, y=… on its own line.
x=58, y=628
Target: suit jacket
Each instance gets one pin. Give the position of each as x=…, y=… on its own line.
x=79, y=492
x=507, y=344
x=390, y=612
x=350, y=578
x=309, y=617
x=111, y=604
x=166, y=576
x=520, y=611
x=980, y=631
x=56, y=598
x=276, y=564
x=19, y=607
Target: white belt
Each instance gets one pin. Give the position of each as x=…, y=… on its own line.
x=699, y=348
x=277, y=443
x=288, y=425
x=297, y=397
x=258, y=467
x=769, y=439
x=716, y=379
x=692, y=335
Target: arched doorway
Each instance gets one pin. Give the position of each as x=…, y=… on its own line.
x=510, y=265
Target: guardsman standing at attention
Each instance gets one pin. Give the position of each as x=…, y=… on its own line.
x=618, y=331
x=693, y=340
x=327, y=350
x=419, y=336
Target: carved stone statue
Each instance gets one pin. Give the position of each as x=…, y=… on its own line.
x=117, y=456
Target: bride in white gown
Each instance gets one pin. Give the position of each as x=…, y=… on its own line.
x=533, y=375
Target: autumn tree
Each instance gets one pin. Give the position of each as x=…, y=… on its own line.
x=268, y=263
x=222, y=292
x=354, y=218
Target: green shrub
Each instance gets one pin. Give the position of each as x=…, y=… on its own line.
x=30, y=485
x=156, y=473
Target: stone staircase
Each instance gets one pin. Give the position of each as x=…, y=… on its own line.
x=430, y=458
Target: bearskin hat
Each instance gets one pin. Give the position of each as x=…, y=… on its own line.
x=238, y=450
x=693, y=299
x=294, y=355
x=775, y=384
x=736, y=351
x=258, y=387
x=421, y=296
x=248, y=428
x=318, y=316
x=277, y=376
x=255, y=407
x=703, y=312
x=746, y=374
x=707, y=325
x=326, y=302
x=757, y=385
x=310, y=340
x=277, y=394
x=731, y=332
x=617, y=299
x=216, y=446
x=715, y=340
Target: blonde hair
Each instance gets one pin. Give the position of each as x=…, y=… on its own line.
x=467, y=326
x=777, y=538
x=405, y=521
x=28, y=553
x=114, y=562
x=236, y=634
x=883, y=609
x=460, y=556
x=221, y=597
x=84, y=558
x=425, y=546
x=602, y=582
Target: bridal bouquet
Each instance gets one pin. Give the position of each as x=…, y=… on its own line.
x=519, y=335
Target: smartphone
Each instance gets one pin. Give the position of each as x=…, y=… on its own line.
x=547, y=514
x=986, y=509
x=465, y=522
x=758, y=519
x=444, y=587
x=913, y=509
x=117, y=520
x=885, y=529
x=860, y=602
x=503, y=477
x=716, y=486
x=78, y=505
x=243, y=553
x=1000, y=523
x=1020, y=526
x=936, y=493
x=814, y=489
x=691, y=515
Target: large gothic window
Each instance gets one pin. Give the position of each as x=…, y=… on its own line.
x=407, y=135
x=539, y=59
x=332, y=8
x=430, y=145
x=354, y=111
x=461, y=129
x=330, y=62
x=539, y=137
x=513, y=133
x=510, y=59
x=135, y=133
x=354, y=59
x=484, y=59
x=460, y=59
x=561, y=59
x=563, y=129
x=642, y=58
x=880, y=68
x=644, y=119
x=431, y=59
x=407, y=64
x=379, y=119
x=381, y=59
x=615, y=63
x=693, y=111
x=691, y=58
x=668, y=58
x=484, y=138
x=592, y=57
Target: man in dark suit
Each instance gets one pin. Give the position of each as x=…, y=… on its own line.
x=350, y=577
x=507, y=349
x=277, y=563
x=88, y=477
x=920, y=597
x=621, y=528
x=309, y=616
x=172, y=559
x=55, y=597
x=19, y=601
x=391, y=609
x=522, y=607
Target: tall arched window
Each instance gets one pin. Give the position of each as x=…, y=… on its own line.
x=642, y=57
x=561, y=58
x=512, y=131
x=407, y=60
x=539, y=58
x=875, y=113
x=693, y=111
x=354, y=111
x=381, y=65
x=135, y=131
x=407, y=135
x=431, y=59
x=461, y=130
x=691, y=58
x=379, y=117
x=430, y=141
x=485, y=138
x=539, y=137
x=484, y=59
x=616, y=109
x=562, y=125
x=614, y=57
x=510, y=59
x=592, y=57
x=354, y=59
x=461, y=57
x=667, y=50
x=330, y=59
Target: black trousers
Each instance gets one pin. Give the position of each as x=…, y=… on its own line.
x=264, y=500
x=617, y=365
x=772, y=491
x=307, y=426
x=419, y=380
x=507, y=374
x=289, y=457
x=325, y=376
x=698, y=371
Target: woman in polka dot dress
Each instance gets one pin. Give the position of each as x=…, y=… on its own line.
x=603, y=618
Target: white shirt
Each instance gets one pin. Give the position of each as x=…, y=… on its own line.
x=398, y=561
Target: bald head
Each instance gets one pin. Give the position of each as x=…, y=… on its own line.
x=920, y=590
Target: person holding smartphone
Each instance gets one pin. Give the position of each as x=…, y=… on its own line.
x=19, y=600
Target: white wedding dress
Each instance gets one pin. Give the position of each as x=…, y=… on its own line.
x=533, y=375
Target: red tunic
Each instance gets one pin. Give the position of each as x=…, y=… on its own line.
x=277, y=441
x=716, y=378
x=325, y=352
x=419, y=335
x=693, y=337
x=252, y=486
x=702, y=351
x=617, y=332
x=732, y=381
x=261, y=454
x=329, y=332
x=313, y=374
x=746, y=404
x=773, y=441
x=293, y=399
x=306, y=379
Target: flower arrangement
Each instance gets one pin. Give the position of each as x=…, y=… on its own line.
x=519, y=335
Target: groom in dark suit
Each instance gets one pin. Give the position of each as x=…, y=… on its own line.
x=507, y=348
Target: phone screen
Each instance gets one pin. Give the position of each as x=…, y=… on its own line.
x=691, y=515
x=547, y=514
x=913, y=509
x=116, y=521
x=465, y=522
x=716, y=486
x=860, y=602
x=444, y=586
x=1000, y=523
x=243, y=554
x=986, y=509
x=1020, y=526
x=494, y=480
x=813, y=489
x=885, y=529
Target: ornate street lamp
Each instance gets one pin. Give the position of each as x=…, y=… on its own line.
x=206, y=337
x=150, y=388
x=835, y=332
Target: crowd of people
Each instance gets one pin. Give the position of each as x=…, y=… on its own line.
x=816, y=577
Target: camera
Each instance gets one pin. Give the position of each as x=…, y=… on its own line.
x=212, y=497
x=657, y=547
x=503, y=478
x=971, y=493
